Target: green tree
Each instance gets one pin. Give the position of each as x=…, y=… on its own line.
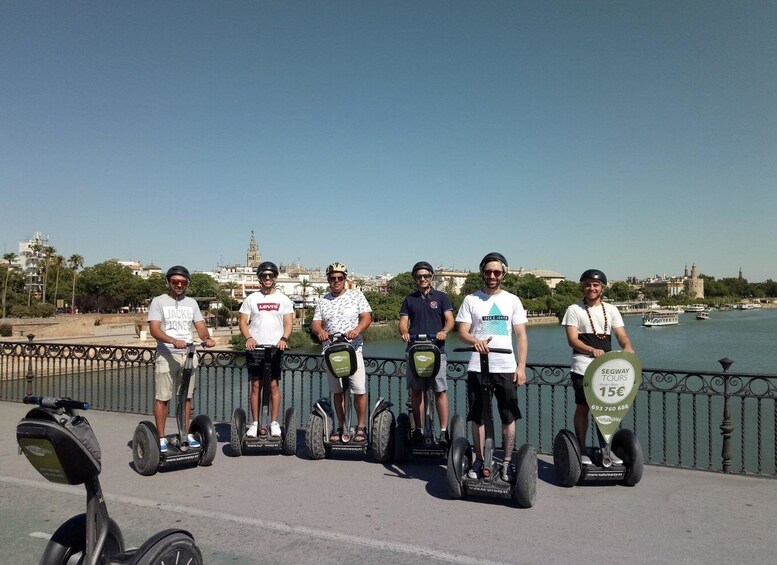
x=75, y=262
x=620, y=291
x=472, y=283
x=156, y=284
x=401, y=285
x=568, y=288
x=107, y=286
x=203, y=286
x=9, y=258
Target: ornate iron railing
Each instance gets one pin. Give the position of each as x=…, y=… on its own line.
x=699, y=420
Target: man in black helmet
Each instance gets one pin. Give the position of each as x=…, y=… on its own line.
x=489, y=317
x=589, y=325
x=170, y=319
x=427, y=311
x=266, y=318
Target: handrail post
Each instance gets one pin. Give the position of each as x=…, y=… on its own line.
x=30, y=376
x=726, y=428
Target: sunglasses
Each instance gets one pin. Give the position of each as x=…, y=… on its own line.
x=179, y=283
x=419, y=277
x=337, y=278
x=491, y=272
x=267, y=276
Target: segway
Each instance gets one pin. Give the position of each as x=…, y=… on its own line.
x=340, y=358
x=241, y=444
x=63, y=448
x=610, y=385
x=423, y=360
x=146, y=453
x=523, y=486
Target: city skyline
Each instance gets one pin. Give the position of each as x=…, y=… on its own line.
x=631, y=137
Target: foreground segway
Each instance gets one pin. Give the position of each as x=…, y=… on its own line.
x=146, y=453
x=610, y=385
x=523, y=486
x=340, y=358
x=63, y=448
x=263, y=442
x=423, y=359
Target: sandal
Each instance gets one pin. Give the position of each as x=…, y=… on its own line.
x=336, y=436
x=361, y=435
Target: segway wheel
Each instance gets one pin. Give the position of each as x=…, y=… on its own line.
x=566, y=458
x=525, y=487
x=383, y=436
x=314, y=437
x=202, y=426
x=176, y=547
x=457, y=428
x=401, y=438
x=459, y=458
x=289, y=446
x=237, y=429
x=68, y=543
x=626, y=446
x=145, y=449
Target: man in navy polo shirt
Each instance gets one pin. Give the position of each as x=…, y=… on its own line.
x=427, y=311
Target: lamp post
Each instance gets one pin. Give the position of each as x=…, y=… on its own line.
x=726, y=427
x=30, y=376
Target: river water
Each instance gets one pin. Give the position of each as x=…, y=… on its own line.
x=747, y=337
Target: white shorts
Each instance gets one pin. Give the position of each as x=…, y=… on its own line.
x=358, y=380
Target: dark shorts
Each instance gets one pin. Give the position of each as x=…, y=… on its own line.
x=255, y=367
x=577, y=385
x=506, y=397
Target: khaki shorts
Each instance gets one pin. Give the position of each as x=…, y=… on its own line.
x=358, y=380
x=168, y=367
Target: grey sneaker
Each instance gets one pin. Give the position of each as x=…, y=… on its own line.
x=505, y=472
x=476, y=471
x=615, y=459
x=163, y=445
x=444, y=440
x=586, y=460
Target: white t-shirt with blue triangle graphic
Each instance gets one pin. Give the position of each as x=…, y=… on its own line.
x=493, y=315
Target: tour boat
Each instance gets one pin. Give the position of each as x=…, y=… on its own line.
x=702, y=316
x=660, y=318
x=694, y=308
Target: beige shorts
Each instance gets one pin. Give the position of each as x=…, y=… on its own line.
x=358, y=380
x=168, y=367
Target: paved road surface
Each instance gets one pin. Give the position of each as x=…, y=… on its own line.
x=275, y=509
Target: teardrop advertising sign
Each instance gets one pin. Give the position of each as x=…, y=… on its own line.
x=610, y=385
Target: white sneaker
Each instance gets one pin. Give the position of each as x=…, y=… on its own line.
x=192, y=441
x=252, y=431
x=586, y=460
x=615, y=459
x=163, y=445
x=275, y=429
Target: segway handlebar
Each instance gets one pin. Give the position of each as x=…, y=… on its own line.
x=471, y=349
x=424, y=337
x=56, y=402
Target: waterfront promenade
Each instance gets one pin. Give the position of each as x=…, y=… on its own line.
x=275, y=509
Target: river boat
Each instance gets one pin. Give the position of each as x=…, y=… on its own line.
x=702, y=316
x=660, y=318
x=694, y=308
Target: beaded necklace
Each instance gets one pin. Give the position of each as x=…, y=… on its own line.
x=591, y=320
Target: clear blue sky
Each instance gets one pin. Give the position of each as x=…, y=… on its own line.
x=636, y=137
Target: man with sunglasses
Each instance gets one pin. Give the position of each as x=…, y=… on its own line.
x=266, y=318
x=488, y=318
x=170, y=319
x=345, y=311
x=427, y=311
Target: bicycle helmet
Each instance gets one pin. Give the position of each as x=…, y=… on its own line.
x=337, y=268
x=267, y=266
x=493, y=256
x=421, y=265
x=178, y=270
x=594, y=275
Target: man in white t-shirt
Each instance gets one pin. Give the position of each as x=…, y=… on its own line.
x=488, y=318
x=266, y=318
x=345, y=311
x=170, y=319
x=589, y=325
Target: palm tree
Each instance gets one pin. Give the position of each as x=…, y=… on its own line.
x=10, y=257
x=33, y=274
x=75, y=262
x=48, y=253
x=305, y=285
x=57, y=262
